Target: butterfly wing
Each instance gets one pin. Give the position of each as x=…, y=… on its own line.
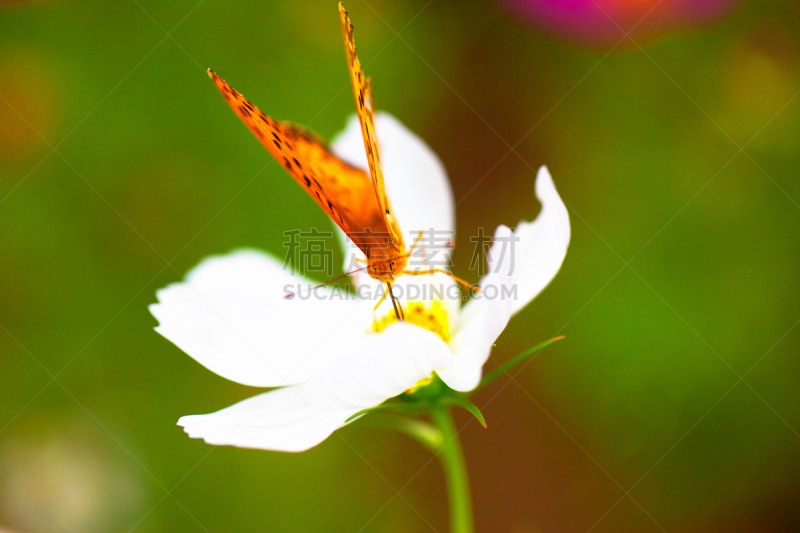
x=362, y=91
x=344, y=192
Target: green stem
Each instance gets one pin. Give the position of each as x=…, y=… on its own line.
x=455, y=471
x=423, y=432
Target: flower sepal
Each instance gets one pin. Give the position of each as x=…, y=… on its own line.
x=420, y=399
x=398, y=405
x=460, y=400
x=416, y=400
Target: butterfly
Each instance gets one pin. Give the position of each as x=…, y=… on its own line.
x=355, y=201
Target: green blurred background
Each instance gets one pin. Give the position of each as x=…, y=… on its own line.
x=151, y=166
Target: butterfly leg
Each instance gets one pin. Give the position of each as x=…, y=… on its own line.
x=416, y=242
x=446, y=273
x=380, y=301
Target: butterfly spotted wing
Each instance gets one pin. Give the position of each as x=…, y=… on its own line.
x=345, y=193
x=362, y=91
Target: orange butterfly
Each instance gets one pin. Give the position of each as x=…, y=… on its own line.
x=356, y=202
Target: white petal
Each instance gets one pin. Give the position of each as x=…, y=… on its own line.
x=514, y=279
x=231, y=316
x=298, y=417
x=479, y=325
x=542, y=245
x=416, y=181
x=465, y=373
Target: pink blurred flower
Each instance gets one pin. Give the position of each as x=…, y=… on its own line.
x=591, y=20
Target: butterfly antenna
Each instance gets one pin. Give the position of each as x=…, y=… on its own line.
x=398, y=310
x=337, y=278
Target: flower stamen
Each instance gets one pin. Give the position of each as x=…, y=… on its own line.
x=433, y=318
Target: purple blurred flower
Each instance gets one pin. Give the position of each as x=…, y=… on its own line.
x=594, y=20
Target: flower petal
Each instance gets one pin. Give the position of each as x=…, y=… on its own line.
x=295, y=418
x=479, y=324
x=416, y=181
x=520, y=264
x=542, y=245
x=231, y=316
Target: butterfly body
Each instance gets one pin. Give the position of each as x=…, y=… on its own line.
x=387, y=267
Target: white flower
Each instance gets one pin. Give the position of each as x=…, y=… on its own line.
x=334, y=356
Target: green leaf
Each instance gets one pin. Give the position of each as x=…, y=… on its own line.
x=461, y=401
x=491, y=376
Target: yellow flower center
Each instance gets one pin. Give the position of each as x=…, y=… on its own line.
x=433, y=318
